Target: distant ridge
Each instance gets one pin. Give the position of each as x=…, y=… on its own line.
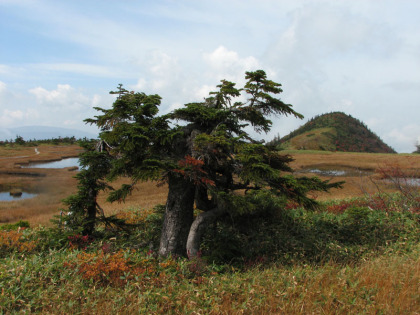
x=42, y=133
x=334, y=131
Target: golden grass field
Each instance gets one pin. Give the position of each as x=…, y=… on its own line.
x=53, y=185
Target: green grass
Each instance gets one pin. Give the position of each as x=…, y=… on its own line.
x=342, y=259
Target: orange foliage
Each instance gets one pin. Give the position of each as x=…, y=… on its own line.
x=192, y=168
x=102, y=268
x=117, y=269
x=135, y=217
x=15, y=240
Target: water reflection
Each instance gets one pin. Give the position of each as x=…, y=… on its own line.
x=336, y=171
x=327, y=172
x=6, y=196
x=405, y=181
x=69, y=162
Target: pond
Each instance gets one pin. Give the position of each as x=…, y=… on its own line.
x=68, y=162
x=414, y=181
x=6, y=196
x=334, y=170
x=404, y=181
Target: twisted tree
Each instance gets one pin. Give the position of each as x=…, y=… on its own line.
x=209, y=160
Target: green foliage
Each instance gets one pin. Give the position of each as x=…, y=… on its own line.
x=19, y=140
x=209, y=151
x=301, y=236
x=148, y=148
x=145, y=227
x=35, y=142
x=82, y=206
x=14, y=226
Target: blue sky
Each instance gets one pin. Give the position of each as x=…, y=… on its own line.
x=59, y=59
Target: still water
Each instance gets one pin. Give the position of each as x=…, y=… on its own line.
x=69, y=162
x=336, y=171
x=5, y=196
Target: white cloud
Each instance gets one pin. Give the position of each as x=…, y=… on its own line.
x=60, y=95
x=96, y=100
x=404, y=138
x=64, y=97
x=4, y=69
x=2, y=87
x=17, y=114
x=32, y=114
x=63, y=105
x=82, y=69
x=203, y=91
x=354, y=56
x=9, y=117
x=227, y=64
x=140, y=85
x=160, y=71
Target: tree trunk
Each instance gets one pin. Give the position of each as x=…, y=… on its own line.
x=178, y=217
x=198, y=227
x=89, y=225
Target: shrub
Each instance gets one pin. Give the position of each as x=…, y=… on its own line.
x=15, y=226
x=145, y=227
x=298, y=235
x=15, y=241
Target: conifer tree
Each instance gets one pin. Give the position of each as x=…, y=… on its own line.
x=82, y=206
x=208, y=160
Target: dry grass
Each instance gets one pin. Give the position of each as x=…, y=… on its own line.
x=385, y=285
x=145, y=195
x=356, y=185
x=53, y=185
x=333, y=289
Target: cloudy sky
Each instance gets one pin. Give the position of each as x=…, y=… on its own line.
x=59, y=59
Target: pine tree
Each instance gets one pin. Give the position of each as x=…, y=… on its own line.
x=83, y=208
x=209, y=160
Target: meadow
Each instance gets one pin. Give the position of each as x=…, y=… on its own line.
x=357, y=254
x=53, y=185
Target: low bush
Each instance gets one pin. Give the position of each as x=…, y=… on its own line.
x=14, y=226
x=299, y=235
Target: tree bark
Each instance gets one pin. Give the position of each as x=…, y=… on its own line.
x=178, y=217
x=89, y=225
x=198, y=227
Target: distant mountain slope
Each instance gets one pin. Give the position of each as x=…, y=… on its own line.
x=334, y=132
x=42, y=133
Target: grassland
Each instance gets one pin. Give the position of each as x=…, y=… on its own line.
x=53, y=185
x=353, y=256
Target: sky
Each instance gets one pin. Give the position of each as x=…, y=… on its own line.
x=60, y=59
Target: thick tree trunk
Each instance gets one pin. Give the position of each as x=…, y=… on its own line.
x=178, y=217
x=198, y=227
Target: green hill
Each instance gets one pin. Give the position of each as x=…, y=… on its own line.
x=333, y=132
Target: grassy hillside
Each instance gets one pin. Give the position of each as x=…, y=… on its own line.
x=334, y=132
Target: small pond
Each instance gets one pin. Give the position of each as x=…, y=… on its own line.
x=414, y=181
x=6, y=196
x=409, y=181
x=68, y=162
x=333, y=171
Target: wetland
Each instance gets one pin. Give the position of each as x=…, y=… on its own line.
x=44, y=186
